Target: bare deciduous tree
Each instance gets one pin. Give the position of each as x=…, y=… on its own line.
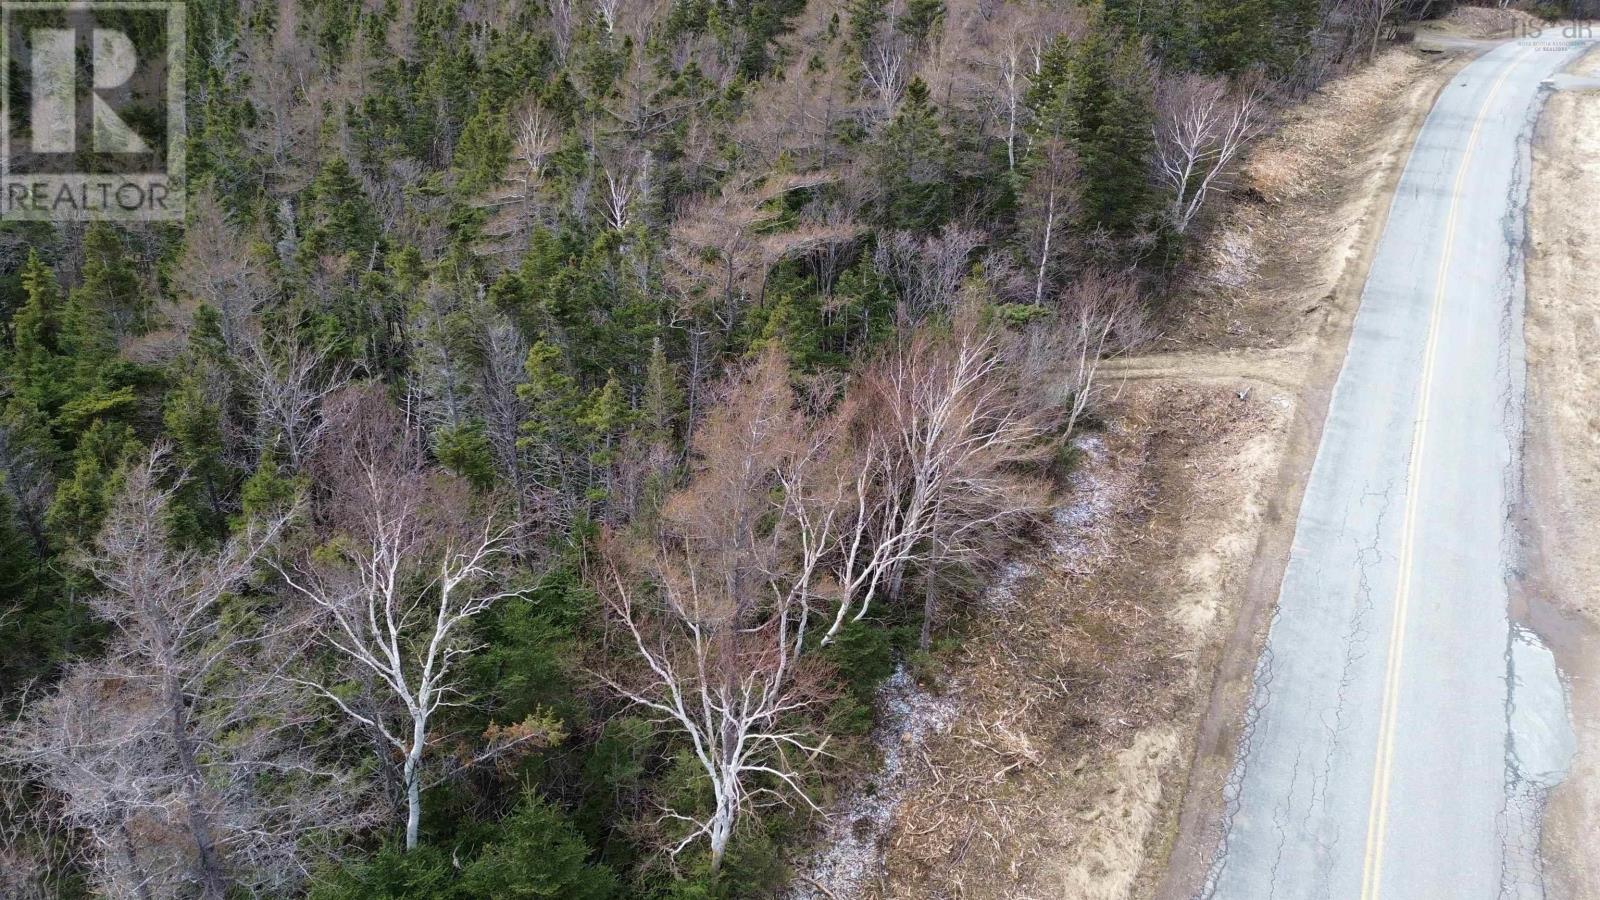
x=1049, y=205
x=220, y=268
x=1373, y=17
x=405, y=571
x=715, y=609
x=885, y=72
x=1099, y=316
x=627, y=183
x=1202, y=126
x=926, y=272
x=953, y=424
x=171, y=758
x=1010, y=49
x=288, y=384
x=606, y=11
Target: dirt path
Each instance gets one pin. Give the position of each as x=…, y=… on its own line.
x=1095, y=697
x=1562, y=591
x=1275, y=315
x=1096, y=704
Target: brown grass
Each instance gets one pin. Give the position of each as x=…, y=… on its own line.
x=1301, y=208
x=1080, y=693
x=1058, y=773
x=1561, y=598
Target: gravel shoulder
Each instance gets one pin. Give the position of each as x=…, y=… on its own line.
x=1090, y=710
x=1560, y=597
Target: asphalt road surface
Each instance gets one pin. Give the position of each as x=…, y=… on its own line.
x=1403, y=731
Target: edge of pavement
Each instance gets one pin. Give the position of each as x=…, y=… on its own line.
x=1222, y=723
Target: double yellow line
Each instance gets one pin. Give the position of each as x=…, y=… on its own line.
x=1378, y=808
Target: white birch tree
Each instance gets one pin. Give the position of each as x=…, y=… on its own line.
x=393, y=591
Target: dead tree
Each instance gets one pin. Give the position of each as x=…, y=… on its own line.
x=160, y=753
x=714, y=607
x=289, y=382
x=1202, y=126
x=405, y=571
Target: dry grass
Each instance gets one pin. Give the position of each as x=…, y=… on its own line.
x=1484, y=22
x=1059, y=771
x=1082, y=680
x=1563, y=329
x=1301, y=206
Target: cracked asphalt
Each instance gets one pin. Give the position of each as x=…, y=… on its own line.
x=1403, y=732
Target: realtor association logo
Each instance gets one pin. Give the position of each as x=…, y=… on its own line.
x=91, y=110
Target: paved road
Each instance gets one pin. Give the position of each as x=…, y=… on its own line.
x=1403, y=732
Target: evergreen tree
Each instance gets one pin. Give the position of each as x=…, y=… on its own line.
x=661, y=407
x=484, y=150
x=338, y=218
x=465, y=450
x=1234, y=36
x=82, y=498
x=110, y=293
x=1095, y=93
x=194, y=423
x=911, y=162
x=38, y=367
x=537, y=854
x=269, y=489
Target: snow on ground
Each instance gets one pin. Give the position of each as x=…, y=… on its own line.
x=851, y=843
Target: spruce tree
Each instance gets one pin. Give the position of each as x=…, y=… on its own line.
x=911, y=162
x=37, y=367
x=1095, y=93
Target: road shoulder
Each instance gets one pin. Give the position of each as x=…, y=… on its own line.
x=1276, y=309
x=1560, y=594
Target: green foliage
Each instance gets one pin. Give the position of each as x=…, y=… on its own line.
x=425, y=873
x=484, y=150
x=82, y=499
x=921, y=17
x=614, y=775
x=38, y=365
x=532, y=853
x=532, y=649
x=1095, y=93
x=338, y=220
x=374, y=154
x=110, y=294
x=1234, y=35
x=19, y=576
x=863, y=652
x=269, y=489
x=464, y=450
x=194, y=423
x=537, y=854
x=911, y=161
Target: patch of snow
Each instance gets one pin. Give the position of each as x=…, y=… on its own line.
x=1098, y=490
x=851, y=841
x=850, y=854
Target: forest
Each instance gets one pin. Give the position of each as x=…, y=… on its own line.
x=556, y=418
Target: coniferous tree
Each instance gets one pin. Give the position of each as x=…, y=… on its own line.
x=911, y=163
x=1095, y=94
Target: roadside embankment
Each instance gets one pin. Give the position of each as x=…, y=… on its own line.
x=1560, y=596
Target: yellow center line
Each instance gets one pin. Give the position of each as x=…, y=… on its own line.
x=1378, y=809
